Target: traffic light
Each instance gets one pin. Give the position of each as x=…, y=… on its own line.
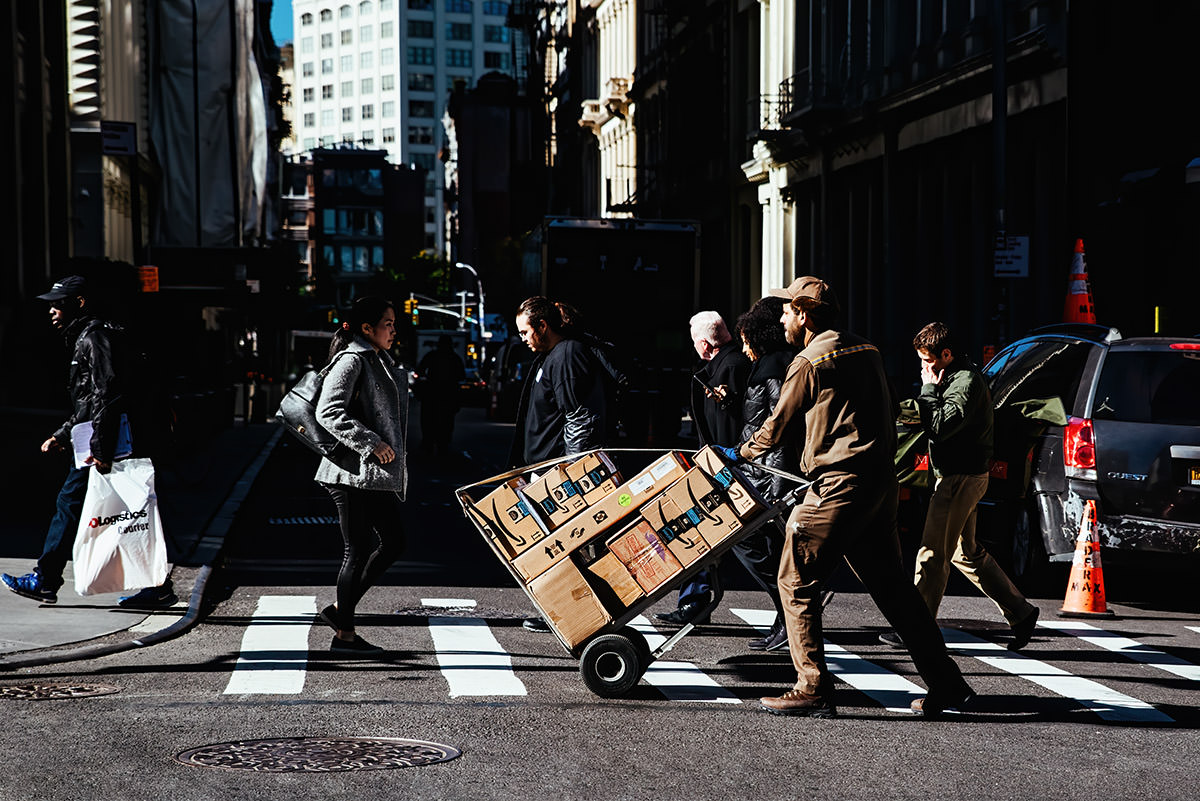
x=411, y=310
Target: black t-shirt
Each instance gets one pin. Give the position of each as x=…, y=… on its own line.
x=564, y=381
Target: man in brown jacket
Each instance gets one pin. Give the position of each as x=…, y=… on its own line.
x=834, y=408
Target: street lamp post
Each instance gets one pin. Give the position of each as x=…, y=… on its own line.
x=483, y=333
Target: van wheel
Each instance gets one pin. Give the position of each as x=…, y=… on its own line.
x=1030, y=566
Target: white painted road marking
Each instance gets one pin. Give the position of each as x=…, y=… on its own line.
x=471, y=659
x=1126, y=647
x=891, y=690
x=680, y=681
x=1105, y=702
x=158, y=622
x=274, y=654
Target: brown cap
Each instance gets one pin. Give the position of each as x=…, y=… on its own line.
x=807, y=286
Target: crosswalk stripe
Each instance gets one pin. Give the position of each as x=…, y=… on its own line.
x=1194, y=628
x=891, y=690
x=274, y=654
x=1126, y=647
x=154, y=623
x=472, y=660
x=1105, y=702
x=680, y=681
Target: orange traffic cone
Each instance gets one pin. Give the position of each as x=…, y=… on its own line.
x=1085, y=588
x=1079, y=308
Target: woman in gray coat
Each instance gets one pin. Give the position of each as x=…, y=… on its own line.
x=364, y=403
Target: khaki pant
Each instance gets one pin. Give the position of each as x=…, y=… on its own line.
x=949, y=538
x=853, y=517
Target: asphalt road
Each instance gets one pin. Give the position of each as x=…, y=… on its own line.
x=1081, y=713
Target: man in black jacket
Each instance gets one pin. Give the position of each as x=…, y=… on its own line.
x=98, y=394
x=718, y=389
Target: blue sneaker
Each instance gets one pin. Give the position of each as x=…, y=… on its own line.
x=30, y=586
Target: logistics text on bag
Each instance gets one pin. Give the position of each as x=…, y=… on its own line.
x=298, y=411
x=118, y=518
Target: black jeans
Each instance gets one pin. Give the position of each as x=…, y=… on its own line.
x=60, y=536
x=372, y=538
x=759, y=554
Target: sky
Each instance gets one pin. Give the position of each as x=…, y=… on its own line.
x=281, y=21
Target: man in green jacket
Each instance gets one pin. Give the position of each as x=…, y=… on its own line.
x=956, y=413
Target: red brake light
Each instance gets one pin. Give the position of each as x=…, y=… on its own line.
x=1079, y=449
x=1185, y=346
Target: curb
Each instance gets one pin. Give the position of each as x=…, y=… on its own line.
x=213, y=537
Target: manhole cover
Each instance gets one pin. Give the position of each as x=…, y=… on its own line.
x=319, y=754
x=51, y=690
x=487, y=613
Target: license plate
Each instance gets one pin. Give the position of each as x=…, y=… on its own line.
x=1194, y=476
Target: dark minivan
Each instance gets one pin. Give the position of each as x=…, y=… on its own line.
x=1084, y=414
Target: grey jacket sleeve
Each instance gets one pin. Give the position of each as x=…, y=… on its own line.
x=333, y=406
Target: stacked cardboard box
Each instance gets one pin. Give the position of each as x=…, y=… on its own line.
x=741, y=496
x=645, y=556
x=508, y=519
x=570, y=603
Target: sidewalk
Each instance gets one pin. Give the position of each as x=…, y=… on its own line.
x=198, y=499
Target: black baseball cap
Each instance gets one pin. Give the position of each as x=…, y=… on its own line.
x=73, y=286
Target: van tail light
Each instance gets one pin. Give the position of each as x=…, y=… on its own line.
x=1185, y=346
x=1079, y=447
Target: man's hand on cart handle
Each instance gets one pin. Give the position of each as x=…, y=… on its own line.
x=731, y=454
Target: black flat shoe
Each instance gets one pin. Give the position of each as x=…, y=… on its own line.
x=356, y=646
x=1023, y=631
x=328, y=616
x=536, y=624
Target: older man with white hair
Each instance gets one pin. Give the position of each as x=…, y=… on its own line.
x=717, y=393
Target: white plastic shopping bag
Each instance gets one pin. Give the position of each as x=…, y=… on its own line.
x=120, y=543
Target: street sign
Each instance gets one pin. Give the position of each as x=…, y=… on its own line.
x=118, y=138
x=148, y=277
x=1010, y=258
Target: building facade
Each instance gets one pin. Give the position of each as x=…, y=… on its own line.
x=377, y=73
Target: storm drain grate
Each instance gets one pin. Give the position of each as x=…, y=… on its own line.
x=487, y=613
x=303, y=521
x=319, y=754
x=53, y=690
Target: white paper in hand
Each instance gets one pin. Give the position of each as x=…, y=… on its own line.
x=81, y=441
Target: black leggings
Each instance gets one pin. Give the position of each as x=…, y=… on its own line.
x=372, y=537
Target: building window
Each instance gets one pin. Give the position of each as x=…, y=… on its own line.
x=386, y=57
x=347, y=89
x=496, y=8
x=389, y=135
x=346, y=12
x=347, y=114
x=364, y=7
x=458, y=31
x=348, y=138
x=309, y=143
x=368, y=112
x=458, y=6
x=306, y=19
x=458, y=58
x=327, y=66
x=388, y=108
x=387, y=82
x=385, y=30
x=326, y=15
x=309, y=95
x=347, y=37
x=347, y=63
x=420, y=108
x=327, y=140
x=496, y=61
x=327, y=91
x=420, y=55
x=326, y=41
x=327, y=117
x=420, y=5
x=385, y=5
x=368, y=86
x=423, y=160
x=310, y=120
x=420, y=82
x=496, y=33
x=420, y=29
x=306, y=44
x=366, y=59
x=307, y=69
x=420, y=135
x=368, y=137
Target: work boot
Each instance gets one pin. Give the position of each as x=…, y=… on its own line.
x=799, y=704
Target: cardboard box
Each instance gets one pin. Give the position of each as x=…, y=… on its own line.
x=508, y=519
x=676, y=529
x=599, y=517
x=594, y=475
x=569, y=603
x=741, y=496
x=648, y=560
x=704, y=505
x=556, y=495
x=610, y=571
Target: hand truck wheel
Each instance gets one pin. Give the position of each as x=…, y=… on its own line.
x=612, y=664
